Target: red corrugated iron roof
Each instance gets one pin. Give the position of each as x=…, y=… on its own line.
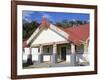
x=77, y=34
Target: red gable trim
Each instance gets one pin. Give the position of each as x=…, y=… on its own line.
x=44, y=23
x=25, y=44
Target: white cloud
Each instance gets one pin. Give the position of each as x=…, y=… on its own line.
x=47, y=16
x=28, y=20
x=27, y=15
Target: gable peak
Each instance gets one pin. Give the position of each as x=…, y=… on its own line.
x=44, y=20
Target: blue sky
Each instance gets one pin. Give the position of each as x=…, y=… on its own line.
x=30, y=16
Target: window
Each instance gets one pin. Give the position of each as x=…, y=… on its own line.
x=48, y=50
x=38, y=49
x=80, y=48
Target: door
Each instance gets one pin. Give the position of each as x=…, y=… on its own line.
x=63, y=53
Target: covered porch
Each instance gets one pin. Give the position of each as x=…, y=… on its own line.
x=56, y=54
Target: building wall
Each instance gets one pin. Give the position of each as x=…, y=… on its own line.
x=34, y=53
x=47, y=36
x=46, y=51
x=68, y=51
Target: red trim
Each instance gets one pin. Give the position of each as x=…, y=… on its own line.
x=25, y=44
x=44, y=23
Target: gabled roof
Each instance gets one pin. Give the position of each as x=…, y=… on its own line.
x=77, y=34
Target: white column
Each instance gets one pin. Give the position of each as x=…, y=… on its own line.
x=54, y=55
x=54, y=48
x=67, y=55
x=73, y=54
x=85, y=53
x=85, y=48
x=72, y=48
x=30, y=49
x=41, y=49
x=40, y=56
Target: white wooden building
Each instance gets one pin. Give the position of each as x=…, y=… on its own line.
x=54, y=44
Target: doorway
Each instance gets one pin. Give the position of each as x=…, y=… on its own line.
x=63, y=53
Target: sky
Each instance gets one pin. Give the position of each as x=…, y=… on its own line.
x=30, y=16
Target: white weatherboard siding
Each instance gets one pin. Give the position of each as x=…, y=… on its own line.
x=47, y=36
x=68, y=58
x=32, y=36
x=25, y=54
x=59, y=31
x=34, y=54
x=47, y=57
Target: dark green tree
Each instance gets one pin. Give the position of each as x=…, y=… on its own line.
x=70, y=23
x=29, y=28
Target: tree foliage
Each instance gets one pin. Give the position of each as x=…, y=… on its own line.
x=67, y=23
x=29, y=28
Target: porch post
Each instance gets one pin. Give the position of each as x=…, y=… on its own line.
x=40, y=56
x=85, y=49
x=54, y=55
x=73, y=55
x=29, y=59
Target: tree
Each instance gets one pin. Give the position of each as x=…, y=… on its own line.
x=29, y=28
x=66, y=23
